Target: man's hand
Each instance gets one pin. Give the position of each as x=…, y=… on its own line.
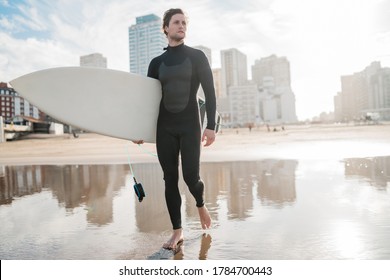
x=209, y=136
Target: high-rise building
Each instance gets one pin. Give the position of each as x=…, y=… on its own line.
x=244, y=105
x=233, y=69
x=272, y=76
x=364, y=94
x=272, y=66
x=266, y=98
x=146, y=41
x=217, y=82
x=379, y=93
x=93, y=60
x=353, y=91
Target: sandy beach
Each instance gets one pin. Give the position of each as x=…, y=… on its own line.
x=296, y=142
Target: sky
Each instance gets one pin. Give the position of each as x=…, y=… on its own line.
x=322, y=39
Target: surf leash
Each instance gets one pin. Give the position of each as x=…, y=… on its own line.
x=146, y=151
x=138, y=189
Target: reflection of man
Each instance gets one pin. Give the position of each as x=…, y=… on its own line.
x=181, y=70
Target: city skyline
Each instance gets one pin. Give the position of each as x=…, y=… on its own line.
x=323, y=40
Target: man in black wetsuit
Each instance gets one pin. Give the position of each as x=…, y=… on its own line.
x=181, y=69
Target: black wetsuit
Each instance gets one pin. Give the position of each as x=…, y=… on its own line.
x=181, y=70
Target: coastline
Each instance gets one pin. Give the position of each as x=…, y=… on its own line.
x=298, y=142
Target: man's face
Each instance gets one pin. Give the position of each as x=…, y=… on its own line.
x=177, y=27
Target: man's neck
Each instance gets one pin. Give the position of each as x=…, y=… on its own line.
x=175, y=43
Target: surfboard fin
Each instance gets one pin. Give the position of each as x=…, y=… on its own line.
x=139, y=190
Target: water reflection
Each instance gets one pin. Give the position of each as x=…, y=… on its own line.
x=272, y=181
x=92, y=186
x=61, y=212
x=18, y=181
x=375, y=170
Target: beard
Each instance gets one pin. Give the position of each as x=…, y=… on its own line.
x=177, y=37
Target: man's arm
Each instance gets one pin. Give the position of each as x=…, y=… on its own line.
x=153, y=69
x=152, y=73
x=207, y=83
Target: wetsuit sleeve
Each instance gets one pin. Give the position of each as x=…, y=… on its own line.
x=207, y=83
x=153, y=69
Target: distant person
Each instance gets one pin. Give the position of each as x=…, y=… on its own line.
x=181, y=69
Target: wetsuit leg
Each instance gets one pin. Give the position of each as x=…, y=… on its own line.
x=190, y=144
x=168, y=155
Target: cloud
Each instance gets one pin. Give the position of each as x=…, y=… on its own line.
x=14, y=53
x=6, y=24
x=4, y=3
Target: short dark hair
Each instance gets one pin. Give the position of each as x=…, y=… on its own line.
x=168, y=15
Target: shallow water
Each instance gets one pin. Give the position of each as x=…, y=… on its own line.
x=268, y=209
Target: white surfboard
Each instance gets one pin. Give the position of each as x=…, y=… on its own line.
x=109, y=102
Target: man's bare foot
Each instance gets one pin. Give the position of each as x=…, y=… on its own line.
x=204, y=215
x=176, y=238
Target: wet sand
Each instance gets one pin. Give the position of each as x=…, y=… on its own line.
x=294, y=142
